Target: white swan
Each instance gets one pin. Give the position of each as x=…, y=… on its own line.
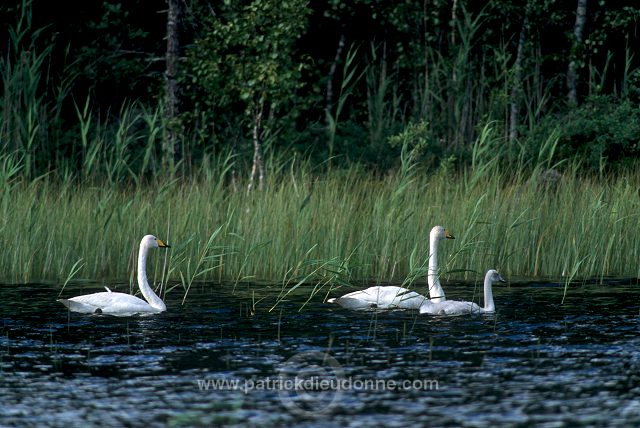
x=392, y=297
x=121, y=304
x=452, y=307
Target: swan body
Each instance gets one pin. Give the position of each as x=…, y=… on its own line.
x=453, y=307
x=393, y=297
x=381, y=297
x=121, y=304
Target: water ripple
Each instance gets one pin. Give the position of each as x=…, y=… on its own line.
x=535, y=362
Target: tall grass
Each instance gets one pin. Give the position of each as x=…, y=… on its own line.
x=30, y=103
x=352, y=228
x=82, y=215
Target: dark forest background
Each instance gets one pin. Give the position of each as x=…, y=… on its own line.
x=104, y=88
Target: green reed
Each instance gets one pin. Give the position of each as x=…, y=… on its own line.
x=340, y=228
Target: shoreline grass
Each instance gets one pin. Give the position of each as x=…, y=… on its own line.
x=352, y=228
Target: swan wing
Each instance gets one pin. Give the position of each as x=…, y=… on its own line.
x=107, y=302
x=381, y=297
x=78, y=306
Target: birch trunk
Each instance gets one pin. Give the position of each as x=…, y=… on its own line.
x=329, y=96
x=172, y=100
x=516, y=88
x=572, y=73
x=257, y=170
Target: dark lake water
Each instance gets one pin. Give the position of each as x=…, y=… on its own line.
x=213, y=362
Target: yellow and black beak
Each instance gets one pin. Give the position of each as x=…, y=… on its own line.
x=448, y=235
x=162, y=244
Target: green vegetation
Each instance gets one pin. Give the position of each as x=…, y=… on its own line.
x=420, y=116
x=344, y=228
x=328, y=81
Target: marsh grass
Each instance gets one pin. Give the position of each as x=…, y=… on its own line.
x=81, y=216
x=353, y=229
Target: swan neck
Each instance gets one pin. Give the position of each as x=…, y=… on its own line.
x=436, y=293
x=489, y=306
x=151, y=297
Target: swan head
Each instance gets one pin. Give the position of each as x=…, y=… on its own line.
x=494, y=276
x=151, y=241
x=439, y=232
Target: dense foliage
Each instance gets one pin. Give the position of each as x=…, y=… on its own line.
x=337, y=82
x=483, y=116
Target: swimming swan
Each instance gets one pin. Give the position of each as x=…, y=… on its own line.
x=121, y=304
x=452, y=307
x=392, y=297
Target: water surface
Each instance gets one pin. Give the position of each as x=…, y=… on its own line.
x=217, y=360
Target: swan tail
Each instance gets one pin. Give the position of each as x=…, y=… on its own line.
x=350, y=303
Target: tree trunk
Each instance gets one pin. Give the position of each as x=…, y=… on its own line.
x=172, y=100
x=516, y=88
x=329, y=96
x=454, y=20
x=258, y=165
x=332, y=72
x=572, y=73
